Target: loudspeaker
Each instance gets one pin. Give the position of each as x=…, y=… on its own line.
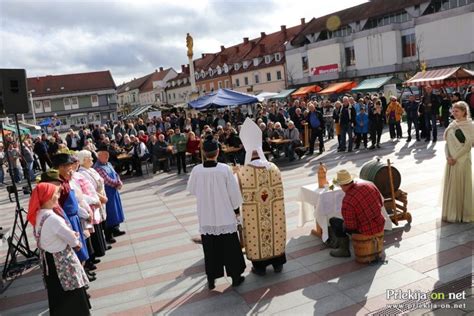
x=13, y=91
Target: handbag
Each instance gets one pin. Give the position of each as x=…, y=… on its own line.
x=460, y=136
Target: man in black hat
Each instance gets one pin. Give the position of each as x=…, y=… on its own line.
x=113, y=184
x=218, y=201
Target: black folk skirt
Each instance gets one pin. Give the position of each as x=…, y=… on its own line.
x=98, y=241
x=62, y=302
x=223, y=251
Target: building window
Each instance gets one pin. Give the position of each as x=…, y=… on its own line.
x=246, y=81
x=257, y=79
x=237, y=82
x=74, y=103
x=174, y=95
x=219, y=84
x=38, y=106
x=442, y=5
x=67, y=103
x=169, y=96
x=350, y=56
x=277, y=57
x=47, y=105
x=269, y=76
x=95, y=100
x=304, y=62
x=409, y=45
x=278, y=75
x=211, y=86
x=226, y=83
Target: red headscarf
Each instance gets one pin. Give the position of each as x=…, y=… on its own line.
x=42, y=193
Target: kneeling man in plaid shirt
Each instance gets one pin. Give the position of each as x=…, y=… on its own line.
x=361, y=210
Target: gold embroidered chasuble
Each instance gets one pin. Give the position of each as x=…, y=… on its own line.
x=263, y=212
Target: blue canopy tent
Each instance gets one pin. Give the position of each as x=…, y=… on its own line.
x=45, y=122
x=222, y=98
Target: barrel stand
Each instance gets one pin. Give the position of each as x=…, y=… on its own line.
x=399, y=211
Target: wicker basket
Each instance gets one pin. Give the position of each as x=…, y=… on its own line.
x=367, y=248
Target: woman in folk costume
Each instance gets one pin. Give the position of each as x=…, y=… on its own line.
x=263, y=207
x=68, y=201
x=218, y=200
x=458, y=193
x=81, y=188
x=113, y=184
x=64, y=277
x=96, y=199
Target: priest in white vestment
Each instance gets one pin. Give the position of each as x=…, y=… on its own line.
x=218, y=201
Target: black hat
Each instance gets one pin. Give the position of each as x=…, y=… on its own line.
x=210, y=144
x=102, y=147
x=61, y=159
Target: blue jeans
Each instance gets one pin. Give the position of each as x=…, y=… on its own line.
x=430, y=124
x=16, y=174
x=31, y=172
x=346, y=129
x=2, y=175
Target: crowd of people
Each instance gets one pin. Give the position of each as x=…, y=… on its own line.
x=173, y=140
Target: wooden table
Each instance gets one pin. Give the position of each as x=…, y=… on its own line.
x=279, y=141
x=230, y=150
x=123, y=156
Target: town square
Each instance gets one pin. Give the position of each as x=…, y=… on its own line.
x=322, y=167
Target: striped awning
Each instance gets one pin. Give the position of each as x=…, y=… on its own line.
x=439, y=76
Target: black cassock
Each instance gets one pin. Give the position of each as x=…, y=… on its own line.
x=223, y=251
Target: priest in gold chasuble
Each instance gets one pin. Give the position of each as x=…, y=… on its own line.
x=263, y=207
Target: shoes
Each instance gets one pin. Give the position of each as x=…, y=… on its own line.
x=110, y=240
x=117, y=233
x=238, y=281
x=408, y=139
x=427, y=140
x=91, y=278
x=91, y=267
x=258, y=271
x=90, y=273
x=108, y=247
x=378, y=145
x=418, y=139
x=435, y=140
x=372, y=147
x=356, y=147
x=95, y=261
x=343, y=248
x=349, y=151
x=211, y=283
x=278, y=268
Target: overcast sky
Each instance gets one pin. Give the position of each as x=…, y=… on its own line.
x=132, y=38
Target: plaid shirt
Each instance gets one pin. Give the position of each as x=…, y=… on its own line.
x=361, y=209
x=108, y=180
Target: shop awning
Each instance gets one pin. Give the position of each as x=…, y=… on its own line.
x=283, y=94
x=306, y=90
x=436, y=77
x=373, y=84
x=12, y=128
x=139, y=110
x=339, y=87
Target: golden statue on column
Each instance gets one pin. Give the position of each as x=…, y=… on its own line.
x=189, y=45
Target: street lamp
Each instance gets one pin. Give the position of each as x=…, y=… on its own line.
x=32, y=105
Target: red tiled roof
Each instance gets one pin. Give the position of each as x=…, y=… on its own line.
x=134, y=84
x=154, y=76
x=71, y=83
x=371, y=9
x=204, y=61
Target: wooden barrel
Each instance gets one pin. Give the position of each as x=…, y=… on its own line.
x=377, y=172
x=367, y=248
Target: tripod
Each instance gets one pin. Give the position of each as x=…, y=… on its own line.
x=18, y=240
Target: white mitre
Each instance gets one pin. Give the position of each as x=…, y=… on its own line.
x=251, y=137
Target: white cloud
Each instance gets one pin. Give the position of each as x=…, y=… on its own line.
x=132, y=38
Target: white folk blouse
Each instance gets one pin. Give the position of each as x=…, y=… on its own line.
x=55, y=234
